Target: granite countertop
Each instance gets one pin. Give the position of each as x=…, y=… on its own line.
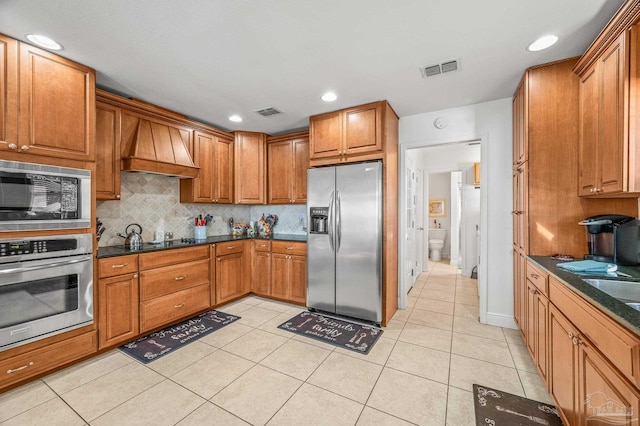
x=111, y=251
x=619, y=311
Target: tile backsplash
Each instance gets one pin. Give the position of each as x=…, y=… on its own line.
x=153, y=202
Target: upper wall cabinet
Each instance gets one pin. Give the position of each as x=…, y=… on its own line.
x=609, y=131
x=214, y=155
x=8, y=92
x=250, y=163
x=108, y=137
x=287, y=163
x=352, y=134
x=54, y=102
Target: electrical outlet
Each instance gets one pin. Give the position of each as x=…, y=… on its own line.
x=301, y=219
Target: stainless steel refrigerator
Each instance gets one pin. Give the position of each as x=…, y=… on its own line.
x=344, y=240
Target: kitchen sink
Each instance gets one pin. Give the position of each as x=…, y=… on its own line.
x=625, y=291
x=634, y=305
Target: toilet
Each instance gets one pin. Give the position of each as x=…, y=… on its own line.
x=436, y=242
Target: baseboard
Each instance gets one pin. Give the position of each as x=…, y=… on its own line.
x=501, y=320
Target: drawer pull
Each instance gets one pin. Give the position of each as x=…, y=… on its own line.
x=20, y=368
x=122, y=265
x=534, y=276
x=180, y=278
x=289, y=248
x=179, y=306
x=231, y=247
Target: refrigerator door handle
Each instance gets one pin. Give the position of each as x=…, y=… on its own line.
x=331, y=212
x=338, y=222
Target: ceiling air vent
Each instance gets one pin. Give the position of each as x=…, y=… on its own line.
x=432, y=70
x=266, y=112
x=449, y=66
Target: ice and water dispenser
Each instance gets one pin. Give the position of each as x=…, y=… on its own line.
x=319, y=220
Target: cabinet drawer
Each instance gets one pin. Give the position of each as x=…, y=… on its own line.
x=172, y=257
x=538, y=278
x=163, y=310
x=288, y=247
x=169, y=279
x=262, y=245
x=27, y=365
x=120, y=265
x=229, y=247
x=618, y=345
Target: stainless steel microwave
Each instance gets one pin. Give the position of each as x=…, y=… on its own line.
x=35, y=196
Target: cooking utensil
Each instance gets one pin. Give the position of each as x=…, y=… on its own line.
x=133, y=240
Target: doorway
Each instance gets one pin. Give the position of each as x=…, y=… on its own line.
x=447, y=178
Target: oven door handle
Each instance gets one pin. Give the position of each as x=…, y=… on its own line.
x=44, y=266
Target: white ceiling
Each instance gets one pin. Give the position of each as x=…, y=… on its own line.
x=209, y=59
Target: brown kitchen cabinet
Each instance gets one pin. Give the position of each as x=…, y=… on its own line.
x=173, y=285
x=214, y=183
x=261, y=267
x=108, y=137
x=289, y=271
x=55, y=105
x=287, y=164
x=232, y=271
x=118, y=300
x=8, y=92
x=537, y=307
x=250, y=168
x=352, y=131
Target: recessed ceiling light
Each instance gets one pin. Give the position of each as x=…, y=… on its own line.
x=235, y=118
x=329, y=97
x=542, y=43
x=44, y=41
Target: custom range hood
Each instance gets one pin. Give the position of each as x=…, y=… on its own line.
x=153, y=146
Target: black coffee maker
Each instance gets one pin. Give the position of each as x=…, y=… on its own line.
x=613, y=238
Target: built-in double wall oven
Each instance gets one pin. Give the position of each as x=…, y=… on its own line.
x=46, y=281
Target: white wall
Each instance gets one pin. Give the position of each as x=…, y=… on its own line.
x=491, y=122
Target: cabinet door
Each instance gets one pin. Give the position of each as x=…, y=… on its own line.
x=203, y=153
x=298, y=279
x=562, y=371
x=515, y=212
x=8, y=93
x=604, y=396
x=522, y=214
x=261, y=273
x=541, y=308
x=57, y=106
x=118, y=309
x=250, y=164
x=611, y=148
x=531, y=318
x=280, y=160
x=229, y=277
x=588, y=133
x=280, y=275
x=223, y=171
x=363, y=129
x=108, y=136
x=325, y=135
x=300, y=166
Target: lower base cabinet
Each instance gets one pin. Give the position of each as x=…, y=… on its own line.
x=24, y=366
x=232, y=274
x=118, y=309
x=163, y=310
x=261, y=268
x=289, y=271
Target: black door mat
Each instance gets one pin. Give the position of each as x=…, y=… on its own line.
x=344, y=334
x=168, y=340
x=494, y=407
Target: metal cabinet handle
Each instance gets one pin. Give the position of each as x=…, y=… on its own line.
x=12, y=146
x=24, y=147
x=179, y=306
x=289, y=248
x=135, y=275
x=122, y=265
x=20, y=368
x=180, y=278
x=231, y=247
x=536, y=276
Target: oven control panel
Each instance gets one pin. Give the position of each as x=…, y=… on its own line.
x=22, y=247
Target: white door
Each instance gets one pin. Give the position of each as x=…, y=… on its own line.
x=410, y=231
x=419, y=219
x=470, y=225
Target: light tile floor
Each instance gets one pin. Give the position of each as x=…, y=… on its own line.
x=421, y=371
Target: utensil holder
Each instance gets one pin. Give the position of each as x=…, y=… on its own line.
x=200, y=232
